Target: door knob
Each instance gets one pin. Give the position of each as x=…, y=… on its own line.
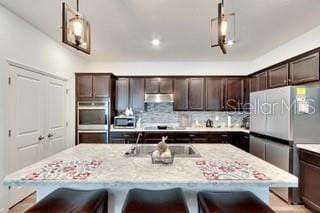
x=40, y=138
x=50, y=135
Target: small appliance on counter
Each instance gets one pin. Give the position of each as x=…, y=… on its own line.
x=246, y=122
x=124, y=122
x=209, y=123
x=128, y=112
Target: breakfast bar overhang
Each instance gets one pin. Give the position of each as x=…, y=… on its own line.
x=221, y=167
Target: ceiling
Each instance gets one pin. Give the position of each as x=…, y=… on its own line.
x=122, y=29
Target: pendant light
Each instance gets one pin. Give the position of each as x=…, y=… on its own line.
x=76, y=29
x=223, y=29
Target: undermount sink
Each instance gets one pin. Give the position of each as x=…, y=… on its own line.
x=179, y=150
x=164, y=128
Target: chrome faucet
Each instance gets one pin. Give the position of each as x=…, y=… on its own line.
x=133, y=148
x=138, y=138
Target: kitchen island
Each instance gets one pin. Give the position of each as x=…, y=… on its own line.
x=91, y=166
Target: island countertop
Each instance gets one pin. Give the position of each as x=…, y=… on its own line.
x=117, y=170
x=310, y=147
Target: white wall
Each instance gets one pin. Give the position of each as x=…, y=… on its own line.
x=171, y=68
x=301, y=44
x=24, y=44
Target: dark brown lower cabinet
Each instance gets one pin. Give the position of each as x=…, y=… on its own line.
x=238, y=139
x=125, y=137
x=244, y=142
x=310, y=179
x=218, y=138
x=154, y=137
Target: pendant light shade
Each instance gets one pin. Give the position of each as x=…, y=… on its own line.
x=223, y=29
x=76, y=29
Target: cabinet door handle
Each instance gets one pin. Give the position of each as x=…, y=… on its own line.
x=289, y=80
x=285, y=81
x=40, y=138
x=50, y=135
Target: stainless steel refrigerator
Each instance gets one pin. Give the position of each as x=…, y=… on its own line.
x=280, y=118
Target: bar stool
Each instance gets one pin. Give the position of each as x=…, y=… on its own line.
x=155, y=201
x=231, y=202
x=65, y=200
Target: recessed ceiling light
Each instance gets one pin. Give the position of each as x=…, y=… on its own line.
x=155, y=42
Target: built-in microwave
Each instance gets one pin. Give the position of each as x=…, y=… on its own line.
x=124, y=122
x=93, y=115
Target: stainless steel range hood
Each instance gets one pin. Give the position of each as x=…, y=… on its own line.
x=158, y=98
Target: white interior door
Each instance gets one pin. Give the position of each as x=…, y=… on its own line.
x=55, y=113
x=25, y=122
x=36, y=119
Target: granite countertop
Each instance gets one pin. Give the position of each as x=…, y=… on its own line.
x=310, y=147
x=115, y=170
x=187, y=129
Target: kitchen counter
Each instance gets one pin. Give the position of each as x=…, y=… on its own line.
x=110, y=169
x=310, y=147
x=187, y=129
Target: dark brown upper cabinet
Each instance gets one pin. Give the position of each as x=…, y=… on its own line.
x=263, y=80
x=305, y=69
x=246, y=93
x=93, y=85
x=158, y=85
x=254, y=83
x=136, y=98
x=100, y=85
x=152, y=85
x=278, y=76
x=258, y=82
x=84, y=86
x=166, y=85
x=196, y=94
x=214, y=94
x=122, y=94
x=181, y=94
x=234, y=93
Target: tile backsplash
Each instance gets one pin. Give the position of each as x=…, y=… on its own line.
x=157, y=113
